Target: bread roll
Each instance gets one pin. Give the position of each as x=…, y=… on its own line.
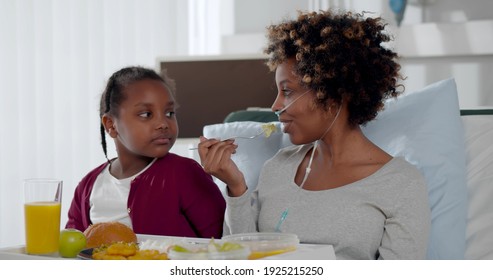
x=108, y=233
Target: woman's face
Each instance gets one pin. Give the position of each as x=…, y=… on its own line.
x=302, y=120
x=146, y=123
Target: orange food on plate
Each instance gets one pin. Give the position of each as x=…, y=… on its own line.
x=262, y=254
x=148, y=255
x=100, y=234
x=126, y=251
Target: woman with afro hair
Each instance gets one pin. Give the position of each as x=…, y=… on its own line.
x=333, y=186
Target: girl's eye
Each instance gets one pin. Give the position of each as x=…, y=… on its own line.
x=145, y=114
x=170, y=114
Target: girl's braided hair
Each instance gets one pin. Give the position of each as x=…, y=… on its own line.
x=114, y=92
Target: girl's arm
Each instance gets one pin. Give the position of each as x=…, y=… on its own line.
x=75, y=212
x=202, y=203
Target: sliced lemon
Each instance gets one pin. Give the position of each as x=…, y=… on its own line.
x=179, y=248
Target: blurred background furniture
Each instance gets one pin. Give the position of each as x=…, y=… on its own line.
x=253, y=115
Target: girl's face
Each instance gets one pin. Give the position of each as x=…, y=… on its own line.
x=303, y=120
x=146, y=125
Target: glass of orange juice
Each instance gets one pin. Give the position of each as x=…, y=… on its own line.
x=42, y=205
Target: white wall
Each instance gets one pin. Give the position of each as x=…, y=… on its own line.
x=450, y=38
x=448, y=11
x=438, y=40
x=472, y=75
x=254, y=15
x=55, y=58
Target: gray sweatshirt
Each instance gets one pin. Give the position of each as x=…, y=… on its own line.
x=383, y=216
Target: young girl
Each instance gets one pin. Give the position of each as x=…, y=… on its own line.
x=146, y=187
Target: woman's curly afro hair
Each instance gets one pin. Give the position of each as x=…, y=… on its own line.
x=340, y=57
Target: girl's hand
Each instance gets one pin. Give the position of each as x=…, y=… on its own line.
x=215, y=157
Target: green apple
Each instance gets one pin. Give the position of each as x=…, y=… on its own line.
x=71, y=242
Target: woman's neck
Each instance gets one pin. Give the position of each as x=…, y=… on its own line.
x=342, y=146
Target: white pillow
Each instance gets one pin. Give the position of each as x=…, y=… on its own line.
x=251, y=153
x=425, y=128
x=479, y=151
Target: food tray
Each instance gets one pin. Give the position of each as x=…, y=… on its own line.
x=263, y=244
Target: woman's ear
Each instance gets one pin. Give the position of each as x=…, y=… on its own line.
x=109, y=125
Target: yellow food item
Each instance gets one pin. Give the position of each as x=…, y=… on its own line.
x=181, y=249
x=126, y=251
x=122, y=249
x=102, y=255
x=268, y=129
x=148, y=255
x=224, y=247
x=262, y=254
x=229, y=246
x=212, y=247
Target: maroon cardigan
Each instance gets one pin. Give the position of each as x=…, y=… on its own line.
x=174, y=196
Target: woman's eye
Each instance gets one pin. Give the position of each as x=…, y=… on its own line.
x=286, y=92
x=145, y=114
x=170, y=114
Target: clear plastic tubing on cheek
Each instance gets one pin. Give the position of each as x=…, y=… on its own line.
x=278, y=113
